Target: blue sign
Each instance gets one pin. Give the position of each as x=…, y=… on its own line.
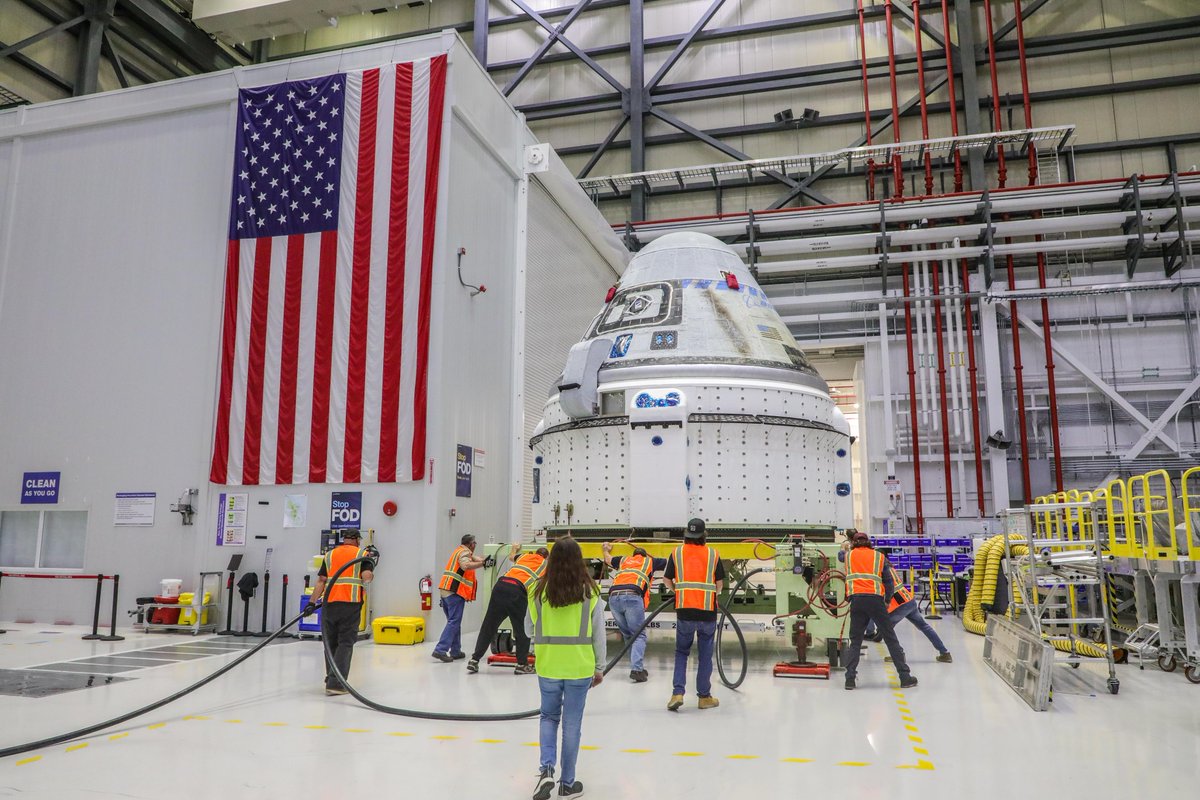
x=647, y=400
x=463, y=464
x=345, y=510
x=40, y=487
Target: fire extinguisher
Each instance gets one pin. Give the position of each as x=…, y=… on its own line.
x=426, y=593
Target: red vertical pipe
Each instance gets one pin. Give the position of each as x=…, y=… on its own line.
x=918, y=40
x=862, y=39
x=1018, y=369
x=912, y=401
x=934, y=269
x=997, y=125
x=972, y=372
x=897, y=169
x=1051, y=387
x=958, y=170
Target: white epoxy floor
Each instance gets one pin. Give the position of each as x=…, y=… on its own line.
x=268, y=730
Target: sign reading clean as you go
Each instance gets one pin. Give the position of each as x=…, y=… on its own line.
x=40, y=487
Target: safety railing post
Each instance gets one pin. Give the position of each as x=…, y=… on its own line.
x=95, y=634
x=112, y=622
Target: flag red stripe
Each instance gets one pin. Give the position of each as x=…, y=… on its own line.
x=252, y=439
x=393, y=332
x=289, y=358
x=318, y=456
x=360, y=287
x=220, y=462
x=437, y=96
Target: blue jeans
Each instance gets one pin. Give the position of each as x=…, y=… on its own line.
x=451, y=639
x=562, y=700
x=629, y=612
x=705, y=635
x=910, y=612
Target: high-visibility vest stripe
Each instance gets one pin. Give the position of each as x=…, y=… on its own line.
x=522, y=571
x=584, y=637
x=635, y=571
x=858, y=581
x=563, y=651
x=901, y=595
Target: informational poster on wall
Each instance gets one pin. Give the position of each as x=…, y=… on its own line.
x=345, y=510
x=295, y=511
x=134, y=508
x=464, y=465
x=40, y=487
x=231, y=521
x=479, y=458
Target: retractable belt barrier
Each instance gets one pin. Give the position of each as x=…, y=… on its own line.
x=99, y=578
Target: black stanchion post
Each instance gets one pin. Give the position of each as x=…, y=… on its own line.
x=266, y=597
x=245, y=631
x=228, y=607
x=1, y=577
x=112, y=622
x=283, y=609
x=95, y=634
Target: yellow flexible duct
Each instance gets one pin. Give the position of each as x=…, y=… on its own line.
x=983, y=584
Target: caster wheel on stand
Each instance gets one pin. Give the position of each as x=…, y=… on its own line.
x=1192, y=673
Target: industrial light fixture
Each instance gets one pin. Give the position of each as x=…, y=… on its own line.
x=999, y=441
x=788, y=117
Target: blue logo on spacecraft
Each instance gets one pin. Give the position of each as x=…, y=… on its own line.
x=646, y=400
x=621, y=346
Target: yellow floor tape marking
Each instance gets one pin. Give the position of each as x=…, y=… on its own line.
x=356, y=730
x=588, y=747
x=921, y=764
x=796, y=760
x=742, y=757
x=28, y=760
x=77, y=747
x=635, y=750
x=491, y=741
x=686, y=754
x=276, y=724
x=116, y=736
x=854, y=763
x=907, y=718
x=920, y=751
x=916, y=739
x=316, y=727
x=399, y=733
x=899, y=694
x=443, y=738
x=158, y=725
x=912, y=728
x=904, y=708
x=531, y=744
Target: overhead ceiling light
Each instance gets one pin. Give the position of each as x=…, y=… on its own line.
x=785, y=116
x=999, y=441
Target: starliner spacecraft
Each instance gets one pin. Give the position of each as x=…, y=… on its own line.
x=686, y=398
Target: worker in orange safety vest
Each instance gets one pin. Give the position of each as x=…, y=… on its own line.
x=869, y=579
x=629, y=599
x=458, y=587
x=696, y=575
x=510, y=598
x=342, y=611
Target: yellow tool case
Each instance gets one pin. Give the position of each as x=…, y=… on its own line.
x=399, y=630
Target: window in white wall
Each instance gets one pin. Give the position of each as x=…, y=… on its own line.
x=42, y=539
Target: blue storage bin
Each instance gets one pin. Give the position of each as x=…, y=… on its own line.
x=312, y=623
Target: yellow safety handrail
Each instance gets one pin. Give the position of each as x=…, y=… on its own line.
x=1189, y=489
x=1154, y=514
x=1121, y=542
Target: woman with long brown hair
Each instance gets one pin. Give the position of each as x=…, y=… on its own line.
x=566, y=622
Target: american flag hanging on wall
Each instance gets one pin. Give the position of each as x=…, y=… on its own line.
x=325, y=339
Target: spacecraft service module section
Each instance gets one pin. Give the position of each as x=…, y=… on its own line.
x=688, y=397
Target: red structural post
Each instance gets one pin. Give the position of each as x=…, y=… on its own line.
x=912, y=400
x=934, y=268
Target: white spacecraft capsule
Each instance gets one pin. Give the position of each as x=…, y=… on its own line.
x=689, y=398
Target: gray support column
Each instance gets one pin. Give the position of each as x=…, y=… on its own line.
x=91, y=45
x=479, y=34
x=637, y=106
x=993, y=398
x=964, y=21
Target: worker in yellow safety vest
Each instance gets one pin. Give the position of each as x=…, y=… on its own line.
x=869, y=579
x=696, y=575
x=458, y=587
x=566, y=620
x=629, y=598
x=342, y=612
x=509, y=599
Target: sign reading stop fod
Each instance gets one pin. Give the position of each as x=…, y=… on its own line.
x=345, y=510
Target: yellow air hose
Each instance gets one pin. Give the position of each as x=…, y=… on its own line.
x=983, y=584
